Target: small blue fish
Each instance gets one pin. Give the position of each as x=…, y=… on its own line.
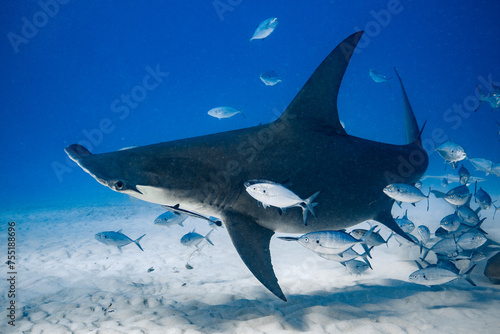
x=331, y=242
x=406, y=225
x=437, y=276
x=170, y=218
x=452, y=153
x=457, y=196
x=355, y=267
x=224, y=112
x=482, y=198
x=464, y=175
x=379, y=78
x=492, y=97
x=374, y=240
x=482, y=165
x=270, y=78
x=425, y=234
x=265, y=28
x=451, y=223
x=117, y=239
x=402, y=192
x=348, y=255
x=194, y=239
x=471, y=240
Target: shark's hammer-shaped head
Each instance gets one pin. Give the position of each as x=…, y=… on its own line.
x=135, y=173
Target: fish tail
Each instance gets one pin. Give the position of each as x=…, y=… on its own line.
x=137, y=242
x=496, y=208
x=481, y=97
x=365, y=258
x=426, y=252
x=310, y=205
x=390, y=236
x=366, y=237
x=466, y=276
x=208, y=239
x=428, y=195
x=421, y=246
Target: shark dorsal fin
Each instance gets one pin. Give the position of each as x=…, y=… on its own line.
x=119, y=231
x=315, y=106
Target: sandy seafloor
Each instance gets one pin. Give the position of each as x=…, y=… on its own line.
x=66, y=280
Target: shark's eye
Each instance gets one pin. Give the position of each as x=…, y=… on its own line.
x=306, y=239
x=317, y=241
x=119, y=185
x=264, y=191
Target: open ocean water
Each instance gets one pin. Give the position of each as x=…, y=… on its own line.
x=68, y=66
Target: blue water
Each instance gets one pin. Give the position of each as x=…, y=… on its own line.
x=63, y=80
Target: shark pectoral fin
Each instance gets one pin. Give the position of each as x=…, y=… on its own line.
x=252, y=243
x=386, y=219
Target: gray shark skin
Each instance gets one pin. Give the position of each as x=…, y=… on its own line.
x=307, y=146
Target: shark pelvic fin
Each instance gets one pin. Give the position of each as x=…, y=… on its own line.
x=320, y=93
x=252, y=243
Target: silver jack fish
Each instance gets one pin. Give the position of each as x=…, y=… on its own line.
x=117, y=239
x=274, y=194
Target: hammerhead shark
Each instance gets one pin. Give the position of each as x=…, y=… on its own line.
x=306, y=145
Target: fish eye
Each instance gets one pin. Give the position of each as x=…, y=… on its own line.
x=317, y=241
x=306, y=239
x=264, y=191
x=119, y=185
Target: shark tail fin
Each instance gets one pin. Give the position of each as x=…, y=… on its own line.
x=496, y=208
x=207, y=237
x=137, y=242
